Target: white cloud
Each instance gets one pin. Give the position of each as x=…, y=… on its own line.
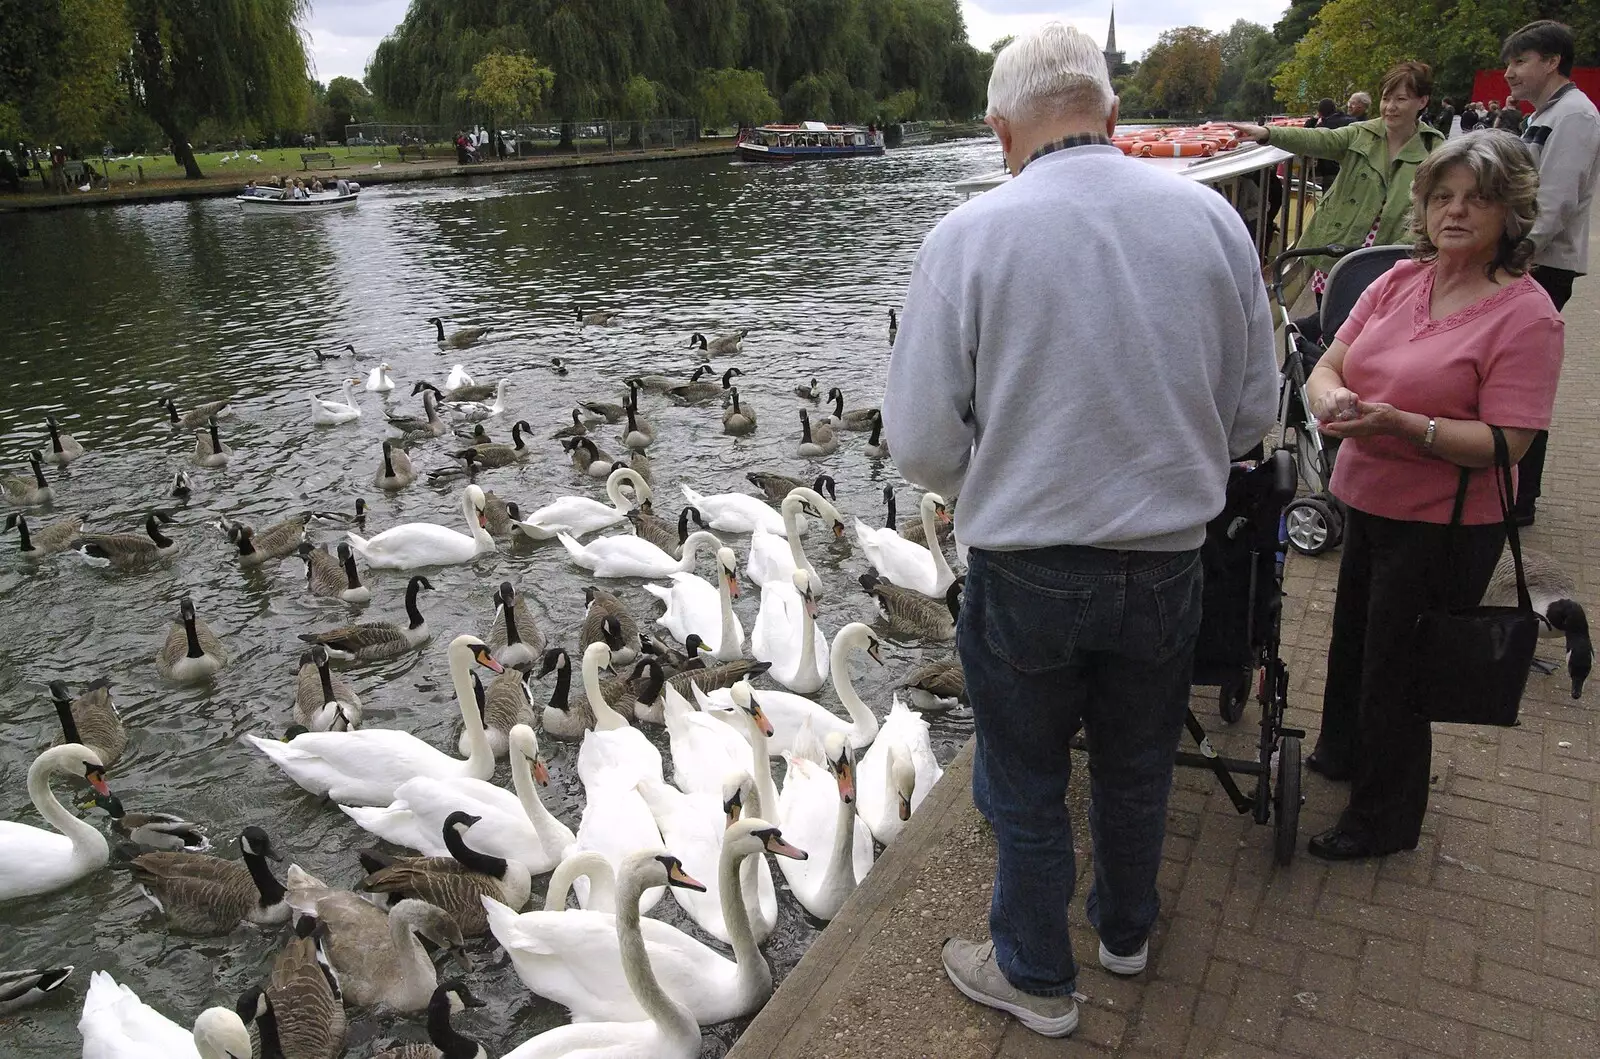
x=345, y=33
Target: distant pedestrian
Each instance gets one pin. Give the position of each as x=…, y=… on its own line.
x=1564, y=135
x=1510, y=117
x=1445, y=120
x=1359, y=104
x=1083, y=587
x=1328, y=116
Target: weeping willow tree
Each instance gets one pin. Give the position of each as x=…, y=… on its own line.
x=836, y=59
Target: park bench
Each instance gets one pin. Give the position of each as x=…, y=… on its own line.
x=416, y=149
x=323, y=159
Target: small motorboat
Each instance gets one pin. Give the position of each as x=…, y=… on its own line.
x=271, y=200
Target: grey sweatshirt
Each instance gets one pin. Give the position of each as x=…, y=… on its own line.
x=1082, y=350
x=1564, y=136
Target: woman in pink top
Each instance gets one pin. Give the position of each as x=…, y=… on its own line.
x=1436, y=351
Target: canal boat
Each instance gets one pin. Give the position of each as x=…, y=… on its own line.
x=270, y=200
x=807, y=140
x=908, y=134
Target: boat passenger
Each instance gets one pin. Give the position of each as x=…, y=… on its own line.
x=342, y=186
x=316, y=185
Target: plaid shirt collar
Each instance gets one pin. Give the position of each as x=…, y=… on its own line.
x=1070, y=142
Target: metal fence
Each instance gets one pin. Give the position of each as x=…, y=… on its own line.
x=526, y=139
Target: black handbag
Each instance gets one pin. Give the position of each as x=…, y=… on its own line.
x=1472, y=663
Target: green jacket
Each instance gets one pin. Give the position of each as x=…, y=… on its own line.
x=1368, y=182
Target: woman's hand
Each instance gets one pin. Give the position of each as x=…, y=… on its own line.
x=1338, y=403
x=1367, y=419
x=1247, y=131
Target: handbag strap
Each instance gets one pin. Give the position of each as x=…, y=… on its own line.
x=1504, y=490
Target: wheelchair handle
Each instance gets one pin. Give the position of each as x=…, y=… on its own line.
x=1333, y=250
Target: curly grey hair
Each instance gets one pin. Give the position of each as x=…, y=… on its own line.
x=1504, y=172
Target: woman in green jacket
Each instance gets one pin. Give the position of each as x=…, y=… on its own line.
x=1371, y=197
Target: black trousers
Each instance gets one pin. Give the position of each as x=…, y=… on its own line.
x=1557, y=282
x=1390, y=572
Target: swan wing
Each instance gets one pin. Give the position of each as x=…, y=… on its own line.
x=620, y=757
x=574, y=515
x=503, y=828
x=358, y=768
x=616, y=822
x=704, y=750
x=116, y=1024
x=415, y=544
x=787, y=712
x=899, y=561
x=35, y=861
x=769, y=561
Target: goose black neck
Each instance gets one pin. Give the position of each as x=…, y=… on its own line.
x=388, y=461
x=683, y=525
x=516, y=436
x=267, y=1026
x=952, y=595
x=22, y=534
x=38, y=472
x=563, y=690
x=736, y=403
x=509, y=607
x=172, y=410
x=877, y=431
x=351, y=575
x=805, y=428
x=888, y=498
x=440, y=325
x=327, y=681
x=69, y=724
x=271, y=890
x=838, y=402
x=55, y=436
x=193, y=634
x=443, y=1035
x=411, y=603
x=470, y=858
x=152, y=526
x=654, y=677
x=247, y=546
x=216, y=441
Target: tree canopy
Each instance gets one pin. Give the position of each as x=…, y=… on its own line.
x=1181, y=71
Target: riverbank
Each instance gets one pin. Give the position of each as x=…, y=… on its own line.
x=386, y=171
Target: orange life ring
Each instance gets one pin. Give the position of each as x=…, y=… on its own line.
x=1177, y=149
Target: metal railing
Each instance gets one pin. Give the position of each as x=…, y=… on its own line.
x=526, y=139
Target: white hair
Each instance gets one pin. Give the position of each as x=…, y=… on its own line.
x=1364, y=98
x=1053, y=70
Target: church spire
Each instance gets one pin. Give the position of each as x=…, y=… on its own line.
x=1114, y=57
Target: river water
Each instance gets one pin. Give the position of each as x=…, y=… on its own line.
x=107, y=311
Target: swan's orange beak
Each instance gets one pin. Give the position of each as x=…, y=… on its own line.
x=481, y=653
x=733, y=583
x=838, y=530
x=678, y=877
x=846, y=774
x=96, y=776
x=760, y=717
x=775, y=843
x=905, y=808
x=541, y=775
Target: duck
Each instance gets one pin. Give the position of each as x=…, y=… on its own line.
x=34, y=545
x=36, y=861
x=64, y=448
x=877, y=446
x=334, y=577
x=896, y=773
x=514, y=826
x=450, y=998
x=278, y=541
x=787, y=714
x=694, y=607
x=816, y=441
x=738, y=420
x=300, y=1012
x=475, y=411
x=332, y=413
x=578, y=516
x=129, y=551
x=894, y=326
x=491, y=454
x=669, y=1029
x=379, y=380
x=808, y=390
x=514, y=635
x=30, y=491
x=1553, y=592
x=151, y=831
x=661, y=532
x=19, y=989
x=209, y=450
x=348, y=347
x=197, y=416
x=855, y=418
x=578, y=428
x=597, y=412
x=457, y=883
x=394, y=469
x=373, y=641
x=936, y=687
x=597, y=317
x=629, y=556
x=912, y=615
x=116, y=1024
x=786, y=635
x=323, y=702
x=415, y=544
x=722, y=345
x=181, y=488
x=819, y=803
x=588, y=458
x=774, y=559
x=365, y=767
x=428, y=426
x=91, y=719
x=467, y=336
x=640, y=433
x=206, y=895
x=558, y=365
x=777, y=487
x=694, y=390
x=906, y=564
x=191, y=653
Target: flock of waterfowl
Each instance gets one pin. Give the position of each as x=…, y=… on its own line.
x=461, y=852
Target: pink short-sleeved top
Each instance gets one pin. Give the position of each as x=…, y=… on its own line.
x=1497, y=361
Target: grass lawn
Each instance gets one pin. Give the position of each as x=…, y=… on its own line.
x=272, y=160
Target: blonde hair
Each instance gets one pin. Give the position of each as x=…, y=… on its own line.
x=1053, y=70
x=1503, y=172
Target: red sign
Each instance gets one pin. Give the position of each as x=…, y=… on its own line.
x=1491, y=84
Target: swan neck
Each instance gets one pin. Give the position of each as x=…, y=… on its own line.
x=461, y=676
x=808, y=642
x=594, y=867
x=528, y=795
x=605, y=718
x=86, y=839
x=791, y=524
x=861, y=715
x=402, y=936
x=730, y=646
x=736, y=916
x=841, y=862
x=930, y=538
x=657, y=1005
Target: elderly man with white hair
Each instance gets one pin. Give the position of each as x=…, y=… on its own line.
x=1082, y=352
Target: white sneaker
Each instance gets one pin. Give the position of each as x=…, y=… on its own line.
x=1125, y=964
x=972, y=969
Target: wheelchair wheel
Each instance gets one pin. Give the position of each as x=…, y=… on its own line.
x=1231, y=698
x=1286, y=800
x=1312, y=525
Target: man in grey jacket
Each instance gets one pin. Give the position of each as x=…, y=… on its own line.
x=1563, y=134
x=1082, y=351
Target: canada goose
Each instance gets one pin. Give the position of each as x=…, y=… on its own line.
x=151, y=832
x=777, y=487
x=809, y=390
x=655, y=383
x=912, y=615
x=597, y=317
x=578, y=428
x=209, y=451
x=894, y=326
x=650, y=706
x=606, y=619
x=18, y=989
x=467, y=336
x=303, y=1001
x=562, y=718
x=588, y=458
x=558, y=365
x=372, y=641
x=596, y=412
x=197, y=416
x=855, y=418
x=472, y=411
x=640, y=433
x=129, y=551
x=667, y=536
x=394, y=469
x=428, y=426
x=737, y=420
x=56, y=537
x=501, y=455
x=333, y=578
x=458, y=883
x=275, y=542
x=504, y=704
x=877, y=446
x=722, y=345
x=191, y=652
x=91, y=719
x=28, y=491
x=348, y=347
x=639, y=463
x=816, y=441
x=1552, y=592
x=450, y=998
x=323, y=702
x=695, y=390
x=208, y=895
x=180, y=488
x=64, y=448
x=473, y=391
x=514, y=637
x=499, y=515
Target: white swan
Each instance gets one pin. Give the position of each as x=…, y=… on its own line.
x=116, y=1024
x=578, y=515
x=705, y=747
x=457, y=378
x=787, y=635
x=817, y=802
x=574, y=958
x=905, y=563
x=365, y=767
x=625, y=555
x=473, y=411
x=896, y=773
x=693, y=606
x=415, y=544
x=616, y=824
x=332, y=413
x=36, y=861
x=775, y=559
x=516, y=827
x=379, y=380
x=741, y=513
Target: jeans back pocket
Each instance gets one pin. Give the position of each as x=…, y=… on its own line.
x=1030, y=617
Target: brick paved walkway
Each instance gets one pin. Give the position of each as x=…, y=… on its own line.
x=1481, y=943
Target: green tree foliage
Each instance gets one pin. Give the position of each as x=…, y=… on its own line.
x=641, y=101
x=1000, y=45
x=58, y=68
x=1181, y=72
x=348, y=100
x=1250, y=56
x=733, y=97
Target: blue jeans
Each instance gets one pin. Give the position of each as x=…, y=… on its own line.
x=1054, y=640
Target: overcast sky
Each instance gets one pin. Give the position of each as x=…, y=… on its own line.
x=345, y=32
